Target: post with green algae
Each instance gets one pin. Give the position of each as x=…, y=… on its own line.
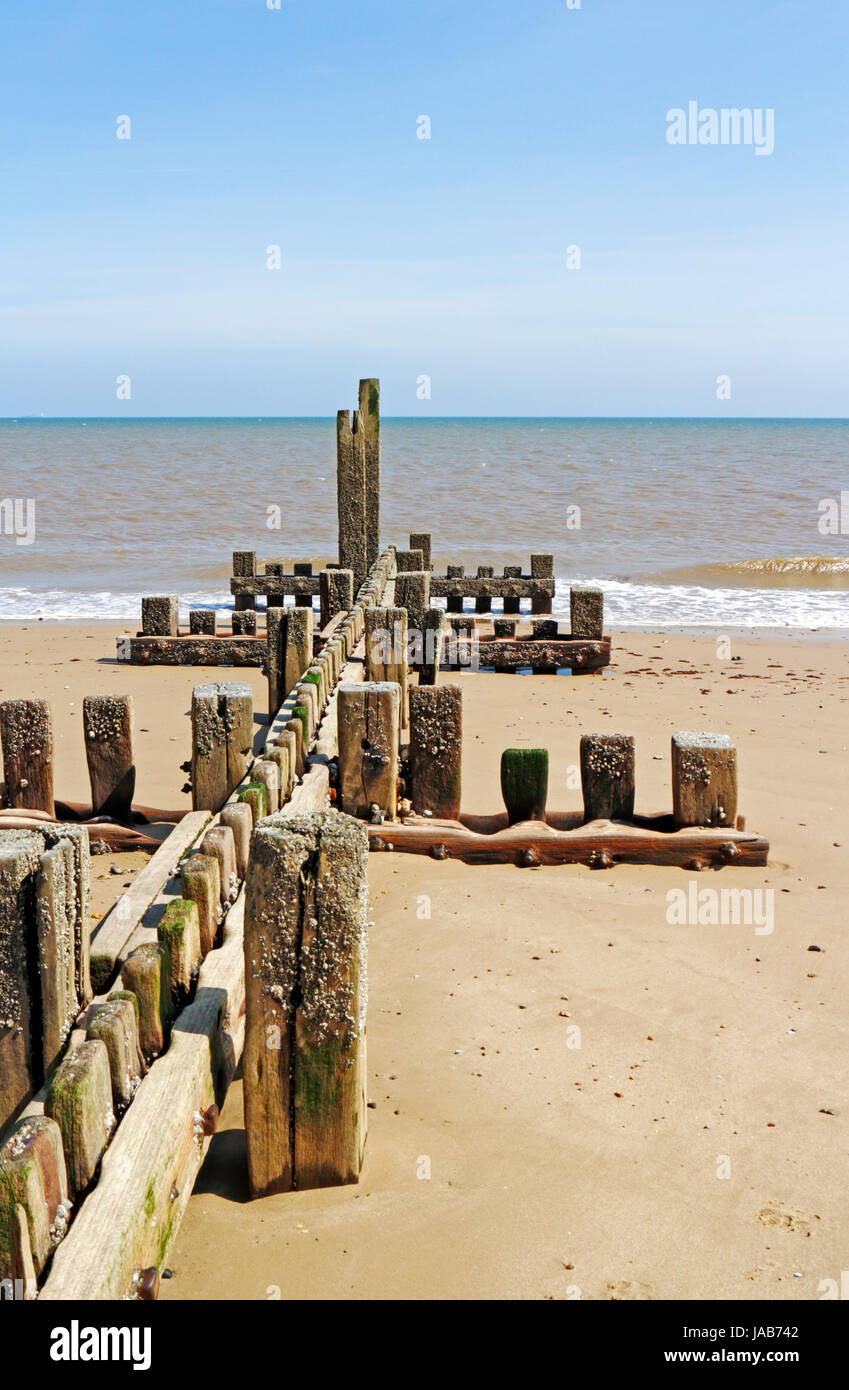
x=179, y=932
x=524, y=783
x=33, y=1176
x=305, y=970
x=200, y=880
x=115, y=1023
x=79, y=1099
x=146, y=973
x=254, y=794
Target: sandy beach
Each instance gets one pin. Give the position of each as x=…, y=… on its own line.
x=571, y=1097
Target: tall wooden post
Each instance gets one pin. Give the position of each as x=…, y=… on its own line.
x=386, y=650
x=305, y=971
x=26, y=730
x=369, y=411
x=368, y=720
x=20, y=1060
x=351, y=495
x=436, y=749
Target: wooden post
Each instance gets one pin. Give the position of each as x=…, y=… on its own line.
x=267, y=771
x=296, y=729
x=524, y=783
x=220, y=843
x=704, y=780
x=20, y=1053
x=22, y=1264
x=483, y=602
x=512, y=605
x=351, y=495
x=386, y=650
x=587, y=612
x=160, y=616
x=79, y=1099
x=336, y=594
x=33, y=1176
x=255, y=796
x=433, y=629
x=238, y=818
x=244, y=567
x=409, y=561
x=287, y=742
x=412, y=591
x=243, y=624
x=202, y=621
x=304, y=569
x=108, y=730
x=436, y=749
x=305, y=970
x=607, y=776
x=115, y=1024
x=77, y=835
x=147, y=974
x=454, y=602
x=368, y=717
x=299, y=635
x=369, y=413
x=179, y=932
x=200, y=880
x=26, y=730
x=55, y=912
x=222, y=741
x=275, y=663
x=420, y=540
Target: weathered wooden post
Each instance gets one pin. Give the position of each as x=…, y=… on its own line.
x=542, y=567
x=409, y=561
x=160, y=615
x=336, y=593
x=303, y=568
x=275, y=661
x=244, y=567
x=586, y=612
x=26, y=731
x=243, y=622
x=483, y=602
x=20, y=1059
x=55, y=933
x=412, y=591
x=179, y=933
x=436, y=749
x=299, y=642
x=433, y=634
x=454, y=602
x=351, y=494
x=512, y=604
x=200, y=880
x=305, y=973
x=607, y=776
x=33, y=1177
x=704, y=780
x=267, y=771
x=386, y=649
x=202, y=622
x=146, y=973
x=115, y=1024
x=238, y=818
x=524, y=783
x=420, y=540
x=219, y=842
x=108, y=730
x=79, y=1099
x=368, y=720
x=222, y=741
x=369, y=412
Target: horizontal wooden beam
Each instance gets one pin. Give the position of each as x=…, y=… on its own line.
x=193, y=651
x=276, y=584
x=525, y=587
x=505, y=654
x=599, y=844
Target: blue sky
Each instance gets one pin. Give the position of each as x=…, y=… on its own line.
x=402, y=257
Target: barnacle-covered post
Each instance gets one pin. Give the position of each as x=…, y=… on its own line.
x=368, y=731
x=704, y=780
x=305, y=973
x=436, y=749
x=607, y=776
x=26, y=729
x=108, y=729
x=222, y=741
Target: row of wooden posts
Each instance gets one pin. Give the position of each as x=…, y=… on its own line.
x=95, y=1048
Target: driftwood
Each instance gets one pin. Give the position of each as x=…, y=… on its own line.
x=562, y=839
x=507, y=655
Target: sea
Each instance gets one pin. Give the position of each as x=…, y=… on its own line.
x=683, y=523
